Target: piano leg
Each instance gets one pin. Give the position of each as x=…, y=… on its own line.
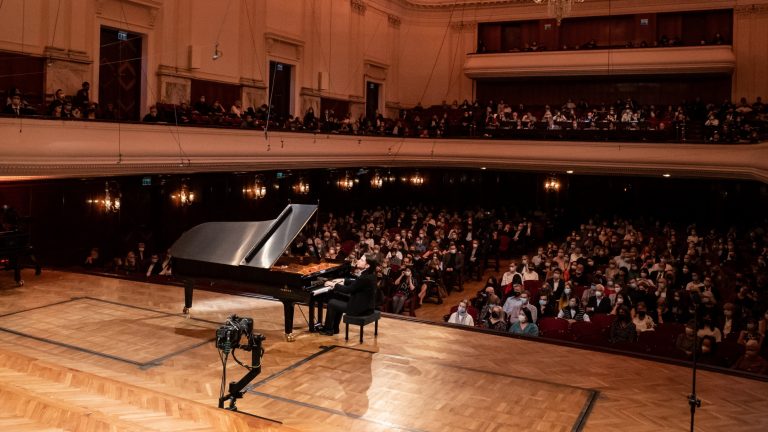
x=189, y=286
x=312, y=304
x=288, y=315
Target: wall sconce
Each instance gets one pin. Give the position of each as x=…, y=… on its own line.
x=416, y=179
x=345, y=183
x=301, y=187
x=377, y=181
x=257, y=190
x=111, y=201
x=552, y=184
x=184, y=197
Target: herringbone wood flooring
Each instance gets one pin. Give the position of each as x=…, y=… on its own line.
x=417, y=376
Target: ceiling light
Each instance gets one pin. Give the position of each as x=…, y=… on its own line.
x=569, y=172
x=666, y=175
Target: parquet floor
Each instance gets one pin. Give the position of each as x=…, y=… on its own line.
x=122, y=357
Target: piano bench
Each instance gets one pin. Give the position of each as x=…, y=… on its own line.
x=362, y=321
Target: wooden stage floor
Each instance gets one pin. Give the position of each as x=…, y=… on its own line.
x=413, y=377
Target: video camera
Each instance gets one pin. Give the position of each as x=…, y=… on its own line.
x=229, y=335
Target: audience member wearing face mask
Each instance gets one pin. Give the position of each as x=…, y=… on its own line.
x=524, y=325
x=462, y=316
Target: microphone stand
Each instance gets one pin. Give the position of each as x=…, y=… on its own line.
x=693, y=401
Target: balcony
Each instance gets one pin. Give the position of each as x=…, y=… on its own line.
x=640, y=61
x=37, y=148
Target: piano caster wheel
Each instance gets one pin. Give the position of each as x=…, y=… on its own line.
x=290, y=337
x=20, y=283
x=185, y=311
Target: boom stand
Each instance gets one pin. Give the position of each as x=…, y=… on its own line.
x=693, y=400
x=236, y=389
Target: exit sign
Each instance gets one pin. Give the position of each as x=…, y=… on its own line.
x=121, y=35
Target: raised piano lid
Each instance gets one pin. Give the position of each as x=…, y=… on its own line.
x=254, y=244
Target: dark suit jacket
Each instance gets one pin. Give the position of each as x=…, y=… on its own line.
x=458, y=264
x=362, y=294
x=604, y=307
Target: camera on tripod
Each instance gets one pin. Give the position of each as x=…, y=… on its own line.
x=229, y=335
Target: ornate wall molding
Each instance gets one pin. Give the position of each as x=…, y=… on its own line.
x=358, y=6
x=394, y=21
x=274, y=42
x=753, y=9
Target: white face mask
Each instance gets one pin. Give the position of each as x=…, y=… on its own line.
x=619, y=300
x=522, y=318
x=567, y=291
x=598, y=294
x=524, y=300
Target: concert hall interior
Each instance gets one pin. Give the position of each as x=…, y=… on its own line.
x=370, y=215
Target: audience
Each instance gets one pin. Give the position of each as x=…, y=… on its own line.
x=623, y=277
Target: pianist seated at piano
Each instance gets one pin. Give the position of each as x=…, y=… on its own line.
x=361, y=291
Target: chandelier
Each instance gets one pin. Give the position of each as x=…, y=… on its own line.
x=257, y=190
x=416, y=179
x=552, y=184
x=111, y=201
x=301, y=187
x=377, y=181
x=559, y=9
x=345, y=182
x=184, y=197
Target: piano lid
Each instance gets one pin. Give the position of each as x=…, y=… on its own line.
x=255, y=244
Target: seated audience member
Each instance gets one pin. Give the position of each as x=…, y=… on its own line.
x=237, y=109
x=545, y=307
x=751, y=360
x=620, y=299
x=15, y=107
x=623, y=329
x=93, y=260
x=686, y=342
x=58, y=101
x=750, y=332
x=485, y=301
x=152, y=116
x=599, y=303
x=707, y=353
x=524, y=324
x=496, y=320
x=728, y=324
x=573, y=311
x=201, y=107
x=461, y=316
x=642, y=319
x=130, y=264
x=708, y=328
x=166, y=269
x=155, y=266
x=405, y=287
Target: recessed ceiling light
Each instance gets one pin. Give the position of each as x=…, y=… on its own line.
x=666, y=175
x=569, y=172
x=482, y=168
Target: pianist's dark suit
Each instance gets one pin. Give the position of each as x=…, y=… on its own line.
x=362, y=294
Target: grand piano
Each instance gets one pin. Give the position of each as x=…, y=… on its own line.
x=247, y=258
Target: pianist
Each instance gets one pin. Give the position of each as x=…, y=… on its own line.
x=362, y=294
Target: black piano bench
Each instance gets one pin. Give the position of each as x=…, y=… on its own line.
x=362, y=321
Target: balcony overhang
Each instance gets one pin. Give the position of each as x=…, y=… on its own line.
x=640, y=61
x=57, y=149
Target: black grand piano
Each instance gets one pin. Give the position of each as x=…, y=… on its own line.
x=247, y=258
